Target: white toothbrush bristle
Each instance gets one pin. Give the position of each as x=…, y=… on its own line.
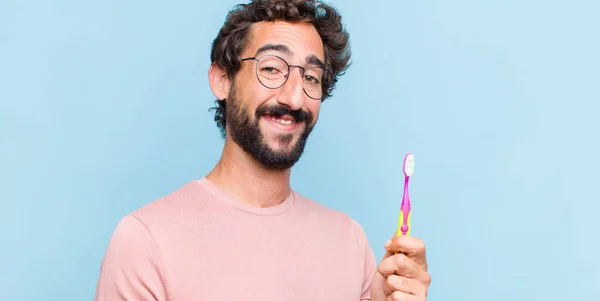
x=409, y=165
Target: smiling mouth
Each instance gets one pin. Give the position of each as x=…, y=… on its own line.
x=285, y=122
x=287, y=119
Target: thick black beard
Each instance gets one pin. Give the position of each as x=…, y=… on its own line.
x=245, y=131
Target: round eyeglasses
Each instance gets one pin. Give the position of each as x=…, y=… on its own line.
x=273, y=72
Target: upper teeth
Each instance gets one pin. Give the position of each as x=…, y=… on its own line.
x=282, y=121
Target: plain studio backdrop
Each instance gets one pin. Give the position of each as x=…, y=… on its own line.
x=105, y=108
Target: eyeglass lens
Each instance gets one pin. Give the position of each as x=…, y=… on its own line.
x=273, y=71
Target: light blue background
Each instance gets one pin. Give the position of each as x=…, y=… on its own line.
x=104, y=108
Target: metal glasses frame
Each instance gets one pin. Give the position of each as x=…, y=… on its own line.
x=326, y=73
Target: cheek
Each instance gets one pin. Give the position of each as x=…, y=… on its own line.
x=251, y=97
x=256, y=95
x=253, y=91
x=314, y=107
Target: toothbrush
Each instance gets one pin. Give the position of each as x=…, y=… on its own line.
x=404, y=218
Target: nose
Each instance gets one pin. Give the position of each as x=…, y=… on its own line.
x=292, y=92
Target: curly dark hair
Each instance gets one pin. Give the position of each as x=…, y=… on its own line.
x=233, y=38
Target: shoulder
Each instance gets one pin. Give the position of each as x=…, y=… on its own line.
x=172, y=204
x=311, y=207
x=333, y=218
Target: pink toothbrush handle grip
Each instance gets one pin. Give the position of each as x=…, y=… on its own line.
x=404, y=221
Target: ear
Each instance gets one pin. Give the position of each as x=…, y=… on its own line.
x=219, y=81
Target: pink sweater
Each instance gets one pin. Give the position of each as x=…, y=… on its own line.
x=200, y=244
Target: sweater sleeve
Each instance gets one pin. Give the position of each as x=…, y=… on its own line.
x=370, y=264
x=131, y=268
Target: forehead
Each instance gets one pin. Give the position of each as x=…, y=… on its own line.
x=301, y=38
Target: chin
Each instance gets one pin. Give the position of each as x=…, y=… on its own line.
x=283, y=145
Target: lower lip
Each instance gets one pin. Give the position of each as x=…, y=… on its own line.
x=280, y=126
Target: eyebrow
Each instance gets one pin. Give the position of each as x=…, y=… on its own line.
x=311, y=59
x=276, y=47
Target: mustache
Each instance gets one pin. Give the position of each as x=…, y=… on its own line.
x=279, y=110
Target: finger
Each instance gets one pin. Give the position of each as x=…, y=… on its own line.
x=400, y=296
x=406, y=285
x=412, y=246
x=409, y=245
x=401, y=265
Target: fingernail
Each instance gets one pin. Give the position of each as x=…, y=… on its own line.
x=388, y=243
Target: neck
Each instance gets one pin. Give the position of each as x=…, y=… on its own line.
x=248, y=181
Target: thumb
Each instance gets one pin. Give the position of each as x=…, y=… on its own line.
x=387, y=246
